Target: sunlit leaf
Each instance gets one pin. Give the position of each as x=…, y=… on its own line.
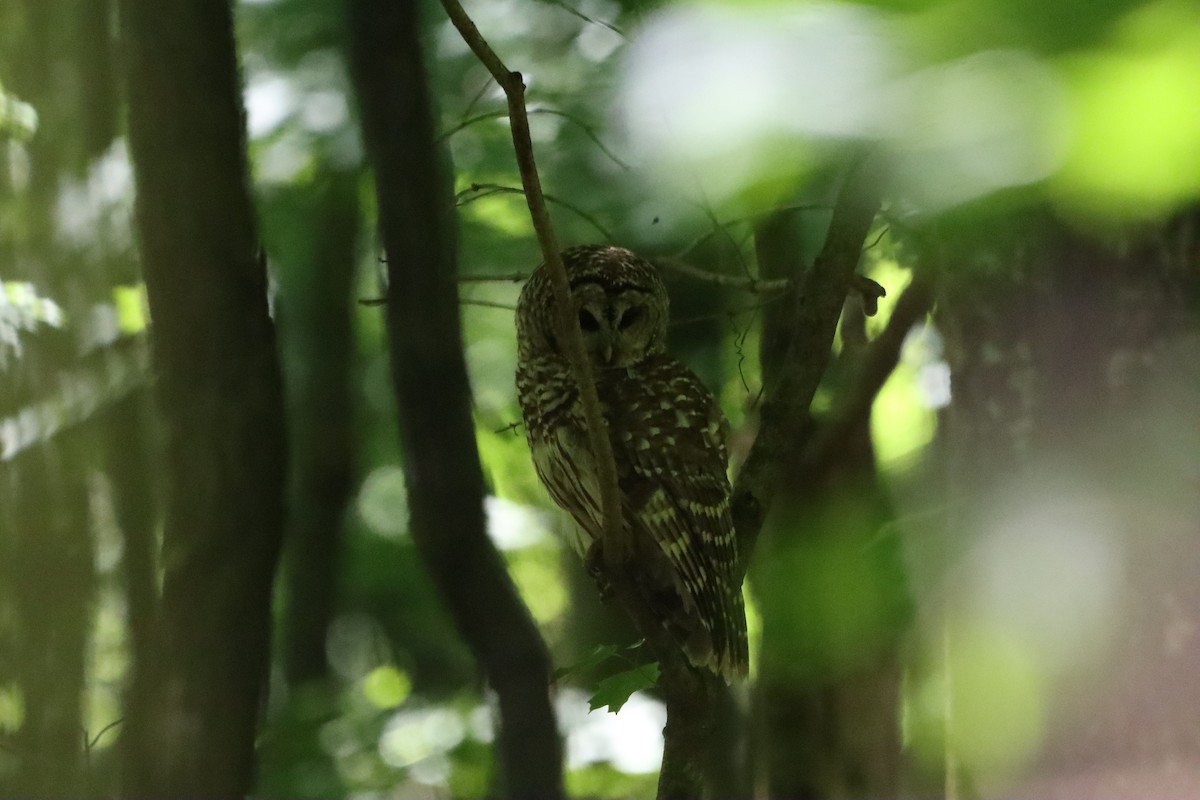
x=12, y=708
x=132, y=309
x=1136, y=147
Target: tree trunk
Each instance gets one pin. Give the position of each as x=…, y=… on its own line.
x=317, y=264
x=1072, y=424
x=831, y=589
x=192, y=717
x=47, y=56
x=441, y=463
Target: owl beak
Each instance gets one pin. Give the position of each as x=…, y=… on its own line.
x=608, y=353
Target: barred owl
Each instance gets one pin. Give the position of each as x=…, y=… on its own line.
x=668, y=439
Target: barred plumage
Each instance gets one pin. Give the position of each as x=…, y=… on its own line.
x=668, y=437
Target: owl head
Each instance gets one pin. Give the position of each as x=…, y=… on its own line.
x=619, y=300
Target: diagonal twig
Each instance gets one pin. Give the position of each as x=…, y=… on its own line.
x=588, y=131
x=618, y=545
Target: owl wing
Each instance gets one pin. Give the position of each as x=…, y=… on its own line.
x=669, y=440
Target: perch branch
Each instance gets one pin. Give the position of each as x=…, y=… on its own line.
x=619, y=547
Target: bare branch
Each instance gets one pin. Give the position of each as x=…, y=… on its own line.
x=750, y=284
x=820, y=293
x=487, y=304
x=878, y=360
x=618, y=546
x=719, y=227
x=501, y=114
x=488, y=189
x=575, y=13
x=505, y=277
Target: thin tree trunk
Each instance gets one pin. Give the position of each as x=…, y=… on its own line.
x=193, y=714
x=44, y=491
x=445, y=482
x=54, y=580
x=315, y=311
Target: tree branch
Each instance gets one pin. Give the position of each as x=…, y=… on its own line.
x=748, y=284
x=878, y=361
x=618, y=547
x=442, y=470
x=488, y=189
x=819, y=296
x=587, y=130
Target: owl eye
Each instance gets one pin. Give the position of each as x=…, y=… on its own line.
x=587, y=321
x=631, y=316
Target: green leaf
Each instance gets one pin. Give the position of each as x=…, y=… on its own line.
x=598, y=655
x=614, y=690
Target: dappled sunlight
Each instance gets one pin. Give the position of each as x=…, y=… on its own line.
x=22, y=311
x=513, y=526
x=902, y=424
x=903, y=413
x=1135, y=134
x=410, y=737
x=386, y=687
x=631, y=740
x=731, y=104
x=100, y=205
x=982, y=706
x=985, y=122
x=382, y=502
x=270, y=100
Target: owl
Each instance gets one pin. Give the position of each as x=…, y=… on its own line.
x=668, y=439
